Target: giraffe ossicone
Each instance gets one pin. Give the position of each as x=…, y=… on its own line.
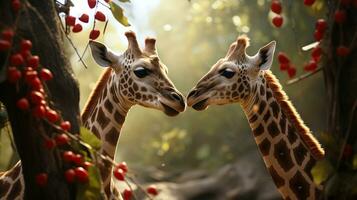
x=288, y=148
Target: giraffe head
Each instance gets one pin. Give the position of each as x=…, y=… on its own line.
x=230, y=80
x=140, y=77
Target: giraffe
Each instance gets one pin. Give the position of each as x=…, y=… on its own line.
x=134, y=77
x=288, y=148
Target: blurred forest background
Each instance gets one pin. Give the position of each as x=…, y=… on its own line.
x=191, y=37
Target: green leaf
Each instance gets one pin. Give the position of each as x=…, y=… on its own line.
x=118, y=13
x=91, y=190
x=89, y=138
x=321, y=171
x=125, y=1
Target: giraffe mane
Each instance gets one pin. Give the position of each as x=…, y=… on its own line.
x=293, y=116
x=95, y=94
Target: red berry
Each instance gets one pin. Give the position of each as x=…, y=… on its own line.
x=52, y=115
x=100, y=16
x=50, y=144
x=62, y=139
x=30, y=75
x=318, y=35
x=8, y=34
x=284, y=66
x=39, y=111
x=283, y=58
x=316, y=53
x=70, y=20
x=41, y=179
x=92, y=3
x=291, y=72
x=26, y=54
x=81, y=174
x=342, y=51
x=119, y=174
x=152, y=190
x=36, y=97
x=16, y=5
x=16, y=59
x=127, y=194
x=68, y=156
x=276, y=6
x=321, y=25
x=84, y=18
x=94, y=34
x=86, y=165
x=36, y=84
x=311, y=66
x=23, y=104
x=13, y=74
x=26, y=45
x=69, y=175
x=4, y=45
x=309, y=2
x=77, y=159
x=66, y=125
x=278, y=21
x=77, y=28
x=46, y=74
x=123, y=166
x=340, y=16
x=33, y=61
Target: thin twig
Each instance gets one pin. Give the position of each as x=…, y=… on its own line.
x=302, y=77
x=72, y=44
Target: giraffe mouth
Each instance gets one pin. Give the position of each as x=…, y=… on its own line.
x=201, y=105
x=169, y=110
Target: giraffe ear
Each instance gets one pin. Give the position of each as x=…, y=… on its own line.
x=102, y=55
x=264, y=58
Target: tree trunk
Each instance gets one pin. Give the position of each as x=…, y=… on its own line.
x=38, y=21
x=340, y=74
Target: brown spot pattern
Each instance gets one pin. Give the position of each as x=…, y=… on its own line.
x=4, y=187
x=262, y=107
x=299, y=186
x=273, y=129
x=264, y=147
x=112, y=136
x=282, y=155
x=253, y=118
x=119, y=118
x=276, y=178
x=275, y=108
x=291, y=134
x=258, y=131
x=300, y=153
x=102, y=119
x=108, y=105
x=266, y=116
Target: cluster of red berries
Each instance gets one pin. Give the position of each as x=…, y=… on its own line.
x=276, y=8
x=309, y=2
x=286, y=65
x=119, y=173
x=84, y=18
x=80, y=172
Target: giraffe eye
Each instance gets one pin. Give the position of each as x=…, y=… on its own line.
x=141, y=72
x=228, y=73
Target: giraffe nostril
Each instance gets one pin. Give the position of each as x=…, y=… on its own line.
x=192, y=93
x=176, y=96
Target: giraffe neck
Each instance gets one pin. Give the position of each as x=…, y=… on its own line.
x=285, y=153
x=105, y=120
